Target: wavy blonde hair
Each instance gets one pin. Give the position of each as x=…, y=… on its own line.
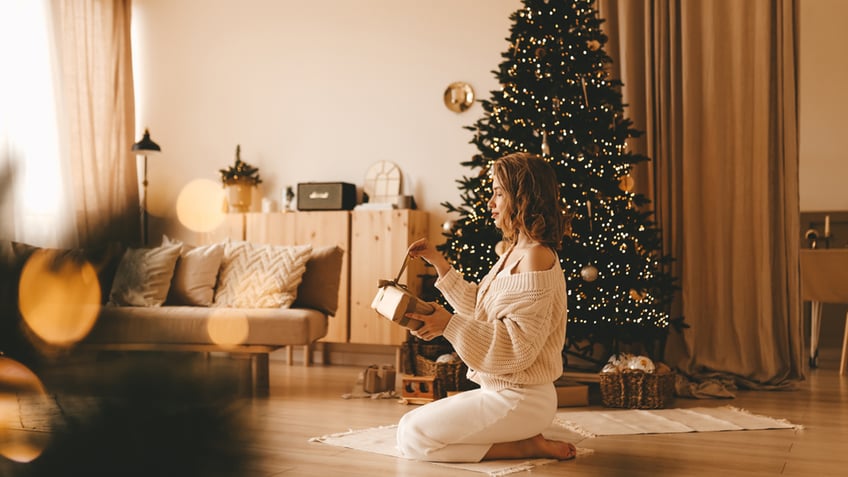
x=531, y=199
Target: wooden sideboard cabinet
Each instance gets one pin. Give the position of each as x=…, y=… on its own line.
x=375, y=244
x=379, y=240
x=231, y=228
x=319, y=229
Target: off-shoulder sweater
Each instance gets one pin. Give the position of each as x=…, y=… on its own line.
x=509, y=329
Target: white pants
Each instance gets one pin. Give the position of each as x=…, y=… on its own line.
x=463, y=427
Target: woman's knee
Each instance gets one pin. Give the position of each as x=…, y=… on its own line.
x=409, y=438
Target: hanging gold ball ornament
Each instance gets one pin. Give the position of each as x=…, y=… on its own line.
x=540, y=53
x=593, y=45
x=589, y=273
x=636, y=294
x=626, y=183
x=447, y=225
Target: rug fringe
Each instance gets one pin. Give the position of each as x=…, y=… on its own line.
x=512, y=469
x=573, y=427
x=780, y=420
x=348, y=432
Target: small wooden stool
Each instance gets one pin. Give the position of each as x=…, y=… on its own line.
x=420, y=389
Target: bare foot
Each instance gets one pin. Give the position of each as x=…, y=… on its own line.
x=534, y=447
x=553, y=449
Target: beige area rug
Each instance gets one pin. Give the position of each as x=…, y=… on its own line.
x=577, y=426
x=381, y=440
x=666, y=421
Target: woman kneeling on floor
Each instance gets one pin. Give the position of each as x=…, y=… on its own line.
x=509, y=330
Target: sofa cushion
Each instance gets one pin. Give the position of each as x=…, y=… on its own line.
x=186, y=325
x=320, y=286
x=260, y=275
x=144, y=276
x=195, y=273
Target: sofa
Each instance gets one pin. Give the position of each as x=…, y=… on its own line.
x=233, y=297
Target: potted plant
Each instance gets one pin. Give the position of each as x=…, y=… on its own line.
x=239, y=180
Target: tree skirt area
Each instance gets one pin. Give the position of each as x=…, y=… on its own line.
x=577, y=426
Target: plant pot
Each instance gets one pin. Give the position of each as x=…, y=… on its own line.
x=239, y=197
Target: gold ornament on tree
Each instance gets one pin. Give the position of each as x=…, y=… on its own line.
x=589, y=272
x=637, y=295
x=626, y=183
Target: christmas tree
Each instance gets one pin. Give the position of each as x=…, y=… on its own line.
x=558, y=100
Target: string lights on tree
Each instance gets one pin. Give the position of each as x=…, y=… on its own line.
x=557, y=99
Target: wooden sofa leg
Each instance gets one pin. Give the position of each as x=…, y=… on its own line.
x=307, y=355
x=843, y=361
x=289, y=355
x=260, y=371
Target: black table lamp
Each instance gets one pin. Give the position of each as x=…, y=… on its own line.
x=143, y=148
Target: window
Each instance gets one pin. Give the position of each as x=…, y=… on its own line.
x=30, y=159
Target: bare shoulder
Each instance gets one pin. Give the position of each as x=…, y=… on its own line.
x=537, y=258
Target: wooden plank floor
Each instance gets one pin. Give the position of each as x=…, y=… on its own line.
x=306, y=402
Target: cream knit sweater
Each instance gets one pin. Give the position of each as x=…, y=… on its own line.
x=509, y=329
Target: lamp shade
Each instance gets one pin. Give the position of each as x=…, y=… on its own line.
x=146, y=144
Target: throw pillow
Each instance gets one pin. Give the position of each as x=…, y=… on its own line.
x=320, y=286
x=144, y=276
x=259, y=275
x=195, y=274
x=104, y=258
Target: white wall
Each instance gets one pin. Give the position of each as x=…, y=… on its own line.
x=319, y=90
x=312, y=90
x=823, y=105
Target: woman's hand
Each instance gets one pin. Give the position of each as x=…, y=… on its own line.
x=434, y=323
x=424, y=249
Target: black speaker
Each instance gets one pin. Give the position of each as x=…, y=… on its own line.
x=326, y=196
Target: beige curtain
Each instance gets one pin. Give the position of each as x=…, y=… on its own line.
x=96, y=107
x=713, y=84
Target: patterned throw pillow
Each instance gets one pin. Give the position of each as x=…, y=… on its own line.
x=144, y=276
x=259, y=275
x=196, y=273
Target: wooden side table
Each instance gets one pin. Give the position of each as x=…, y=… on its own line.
x=824, y=279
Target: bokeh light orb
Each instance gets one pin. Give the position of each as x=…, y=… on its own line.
x=21, y=392
x=199, y=205
x=227, y=327
x=59, y=296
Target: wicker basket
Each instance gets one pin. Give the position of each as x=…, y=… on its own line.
x=419, y=357
x=637, y=389
x=432, y=350
x=452, y=375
